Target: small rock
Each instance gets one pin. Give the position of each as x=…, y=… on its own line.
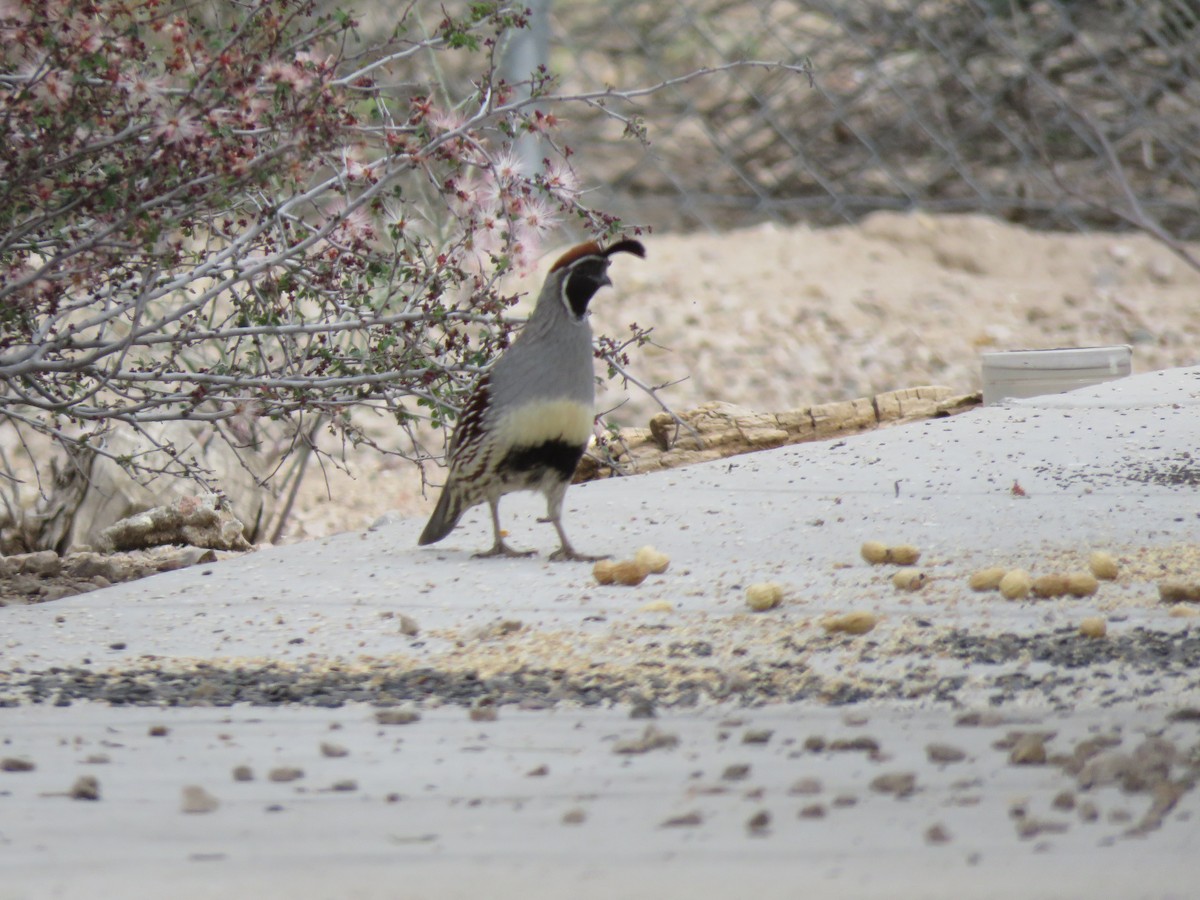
x=158, y=731
x=1088, y=812
x=86, y=787
x=16, y=764
x=643, y=709
x=345, y=785
x=736, y=772
x=899, y=784
x=651, y=739
x=805, y=787
x=243, y=773
x=483, y=712
x=197, y=800
x=687, y=820
x=43, y=563
x=944, y=753
x=937, y=834
x=575, y=816
x=861, y=744
x=845, y=800
x=1028, y=827
x=759, y=822
x=538, y=771
x=285, y=774
x=332, y=750
x=397, y=716
x=812, y=811
x=1028, y=750
x=757, y=736
x=1063, y=801
x=407, y=625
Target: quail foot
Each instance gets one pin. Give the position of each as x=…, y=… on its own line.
x=527, y=421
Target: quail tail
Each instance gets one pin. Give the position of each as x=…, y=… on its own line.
x=445, y=516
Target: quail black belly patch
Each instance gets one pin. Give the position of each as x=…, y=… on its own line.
x=556, y=456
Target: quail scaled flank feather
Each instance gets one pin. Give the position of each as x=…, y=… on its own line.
x=529, y=418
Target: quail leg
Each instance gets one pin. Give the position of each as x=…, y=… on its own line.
x=565, y=552
x=499, y=548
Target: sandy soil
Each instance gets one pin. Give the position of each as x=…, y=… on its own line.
x=774, y=318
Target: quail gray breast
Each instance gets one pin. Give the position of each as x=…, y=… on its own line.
x=528, y=419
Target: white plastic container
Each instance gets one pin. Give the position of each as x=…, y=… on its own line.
x=1032, y=373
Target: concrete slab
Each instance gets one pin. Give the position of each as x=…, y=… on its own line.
x=275, y=652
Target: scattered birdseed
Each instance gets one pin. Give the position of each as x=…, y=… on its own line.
x=652, y=560
x=987, y=579
x=1050, y=586
x=908, y=579
x=764, y=595
x=1082, y=584
x=1093, y=627
x=1175, y=590
x=1016, y=584
x=1103, y=565
x=856, y=622
x=874, y=552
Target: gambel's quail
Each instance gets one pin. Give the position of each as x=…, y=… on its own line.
x=529, y=418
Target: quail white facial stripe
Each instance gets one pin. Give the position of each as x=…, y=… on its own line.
x=546, y=420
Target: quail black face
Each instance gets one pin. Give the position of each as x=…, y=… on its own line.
x=585, y=278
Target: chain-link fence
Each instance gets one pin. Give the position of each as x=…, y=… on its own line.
x=1076, y=114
